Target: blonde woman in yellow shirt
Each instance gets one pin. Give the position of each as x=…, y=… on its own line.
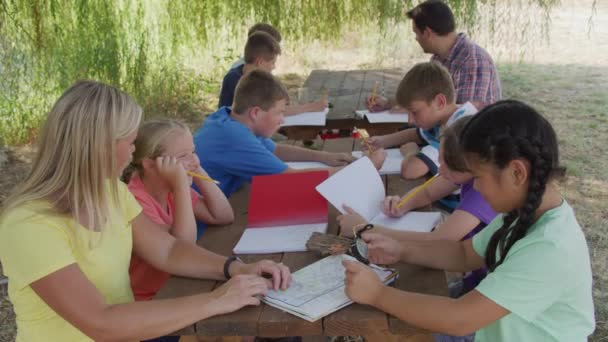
x=68, y=231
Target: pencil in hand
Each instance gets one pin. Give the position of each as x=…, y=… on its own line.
x=364, y=135
x=372, y=100
x=199, y=176
x=417, y=190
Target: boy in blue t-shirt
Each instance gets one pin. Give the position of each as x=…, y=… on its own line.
x=261, y=52
x=264, y=27
x=234, y=144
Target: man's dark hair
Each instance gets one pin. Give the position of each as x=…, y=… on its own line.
x=434, y=14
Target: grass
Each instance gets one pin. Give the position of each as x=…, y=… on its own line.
x=570, y=97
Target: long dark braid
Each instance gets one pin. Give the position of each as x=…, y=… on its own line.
x=503, y=132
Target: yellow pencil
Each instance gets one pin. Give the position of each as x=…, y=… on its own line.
x=364, y=135
x=205, y=178
x=372, y=100
x=417, y=190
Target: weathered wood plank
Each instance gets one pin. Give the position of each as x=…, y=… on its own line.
x=222, y=240
x=354, y=319
x=316, y=79
x=276, y=323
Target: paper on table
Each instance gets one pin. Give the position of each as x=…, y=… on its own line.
x=392, y=163
x=306, y=119
x=307, y=165
x=318, y=289
x=277, y=239
x=414, y=221
x=357, y=185
x=381, y=117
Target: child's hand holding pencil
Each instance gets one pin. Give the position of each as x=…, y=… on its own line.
x=377, y=103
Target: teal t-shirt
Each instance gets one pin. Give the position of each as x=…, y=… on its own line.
x=545, y=282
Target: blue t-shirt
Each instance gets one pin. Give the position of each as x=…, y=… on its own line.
x=429, y=153
x=229, y=85
x=232, y=154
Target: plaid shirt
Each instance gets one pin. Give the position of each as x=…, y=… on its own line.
x=473, y=71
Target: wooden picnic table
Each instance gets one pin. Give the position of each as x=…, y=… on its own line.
x=267, y=321
x=347, y=91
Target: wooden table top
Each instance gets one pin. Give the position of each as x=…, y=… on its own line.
x=347, y=92
x=267, y=321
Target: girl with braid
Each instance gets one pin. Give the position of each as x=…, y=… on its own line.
x=539, y=283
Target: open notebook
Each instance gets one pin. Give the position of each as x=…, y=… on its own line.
x=359, y=186
x=382, y=117
x=284, y=211
x=306, y=119
x=318, y=289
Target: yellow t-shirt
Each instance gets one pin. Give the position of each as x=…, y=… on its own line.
x=34, y=244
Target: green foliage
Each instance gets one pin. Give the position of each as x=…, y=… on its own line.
x=147, y=47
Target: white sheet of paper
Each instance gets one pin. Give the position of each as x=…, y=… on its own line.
x=318, y=289
x=306, y=119
x=414, y=221
x=357, y=185
x=277, y=239
x=307, y=165
x=381, y=117
x=392, y=163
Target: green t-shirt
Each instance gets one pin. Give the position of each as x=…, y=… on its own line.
x=545, y=282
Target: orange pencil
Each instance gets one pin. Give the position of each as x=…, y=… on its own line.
x=364, y=135
x=199, y=176
x=372, y=100
x=417, y=190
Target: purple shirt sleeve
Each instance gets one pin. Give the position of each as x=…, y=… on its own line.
x=473, y=203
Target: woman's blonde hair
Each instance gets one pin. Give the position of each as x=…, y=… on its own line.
x=76, y=154
x=151, y=142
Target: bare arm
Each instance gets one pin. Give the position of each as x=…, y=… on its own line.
x=184, y=226
x=213, y=207
x=458, y=256
x=396, y=139
x=412, y=168
x=454, y=256
x=459, y=317
x=294, y=109
x=455, y=227
x=71, y=295
x=295, y=153
x=174, y=256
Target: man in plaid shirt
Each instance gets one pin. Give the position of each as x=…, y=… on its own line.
x=473, y=71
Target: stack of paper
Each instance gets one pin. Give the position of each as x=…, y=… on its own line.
x=392, y=163
x=277, y=239
x=318, y=289
x=306, y=119
x=382, y=117
x=359, y=186
x=284, y=211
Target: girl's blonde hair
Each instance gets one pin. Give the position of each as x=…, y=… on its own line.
x=76, y=155
x=151, y=142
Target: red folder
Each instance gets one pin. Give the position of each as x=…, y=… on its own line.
x=287, y=199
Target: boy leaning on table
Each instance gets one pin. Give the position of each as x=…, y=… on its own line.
x=233, y=144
